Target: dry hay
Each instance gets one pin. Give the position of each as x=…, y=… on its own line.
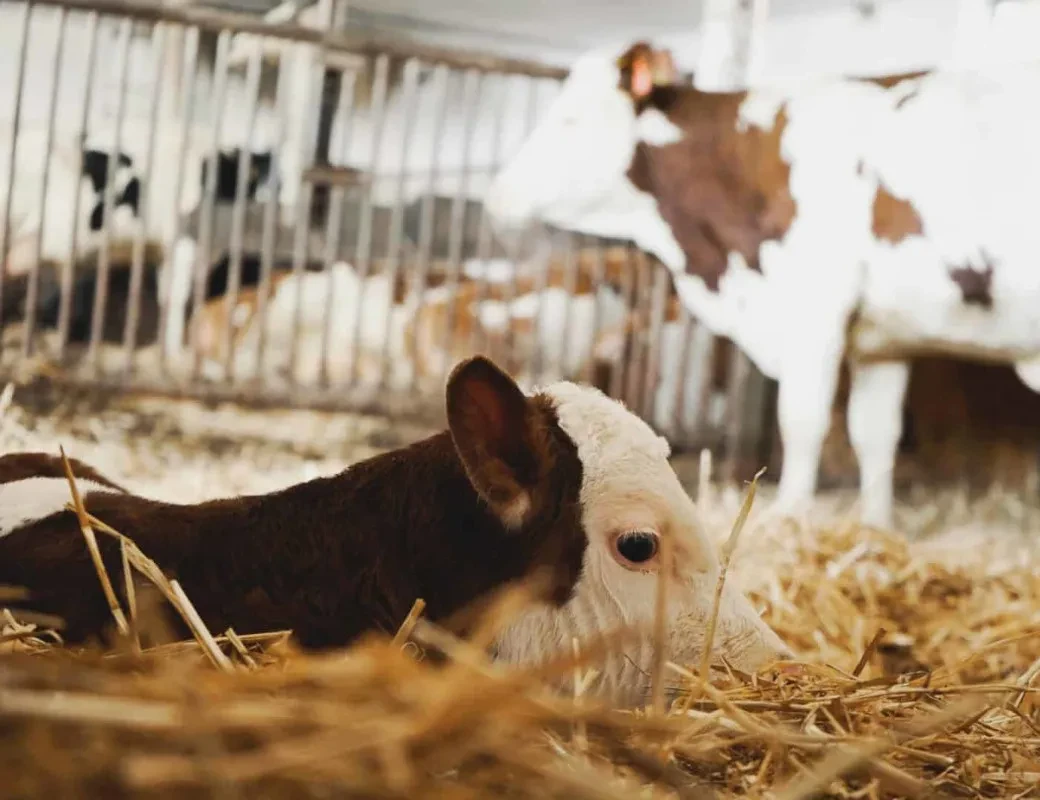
x=922, y=679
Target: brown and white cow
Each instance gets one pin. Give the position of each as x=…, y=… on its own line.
x=564, y=481
x=878, y=219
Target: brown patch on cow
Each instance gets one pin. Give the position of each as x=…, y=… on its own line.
x=894, y=219
x=338, y=556
x=976, y=285
x=720, y=190
x=21, y=466
x=890, y=81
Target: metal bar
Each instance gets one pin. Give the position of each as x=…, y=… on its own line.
x=658, y=299
x=97, y=319
x=537, y=366
x=598, y=279
x=301, y=249
x=478, y=342
x=516, y=243
x=409, y=98
x=331, y=89
x=304, y=209
x=637, y=366
x=622, y=366
x=734, y=432
x=271, y=226
x=472, y=81
x=755, y=434
x=33, y=288
x=185, y=135
x=678, y=427
x=19, y=81
x=212, y=20
x=570, y=288
x=422, y=264
x=330, y=92
x=403, y=407
x=334, y=222
x=137, y=265
x=705, y=351
x=206, y=218
x=68, y=269
x=238, y=209
x=380, y=79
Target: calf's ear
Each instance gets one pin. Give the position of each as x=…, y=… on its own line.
x=496, y=433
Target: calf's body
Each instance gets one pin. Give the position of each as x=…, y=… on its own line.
x=329, y=558
x=564, y=485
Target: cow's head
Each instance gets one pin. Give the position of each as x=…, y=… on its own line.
x=572, y=168
x=629, y=502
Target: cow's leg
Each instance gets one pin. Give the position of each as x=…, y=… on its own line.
x=178, y=270
x=808, y=383
x=875, y=420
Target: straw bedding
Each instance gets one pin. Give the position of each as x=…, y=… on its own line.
x=922, y=671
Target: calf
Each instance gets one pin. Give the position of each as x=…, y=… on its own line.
x=564, y=483
x=120, y=292
x=354, y=315
x=521, y=313
x=809, y=225
x=71, y=202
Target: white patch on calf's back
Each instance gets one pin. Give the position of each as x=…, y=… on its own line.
x=654, y=128
x=32, y=499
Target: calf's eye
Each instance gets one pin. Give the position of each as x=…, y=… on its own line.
x=636, y=547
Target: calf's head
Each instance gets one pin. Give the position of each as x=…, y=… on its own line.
x=522, y=452
x=572, y=168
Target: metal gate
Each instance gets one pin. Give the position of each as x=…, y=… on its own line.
x=180, y=217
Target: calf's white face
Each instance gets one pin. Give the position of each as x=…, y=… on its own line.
x=576, y=156
x=631, y=499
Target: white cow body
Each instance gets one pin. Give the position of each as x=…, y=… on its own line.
x=961, y=149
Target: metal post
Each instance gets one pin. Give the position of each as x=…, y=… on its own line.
x=32, y=292
x=12, y=153
x=331, y=89
x=730, y=56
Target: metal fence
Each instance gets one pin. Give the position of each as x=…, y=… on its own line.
x=179, y=216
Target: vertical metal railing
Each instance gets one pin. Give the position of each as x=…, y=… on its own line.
x=33, y=285
x=12, y=150
x=137, y=267
x=380, y=80
x=238, y=211
x=409, y=91
x=664, y=370
x=104, y=263
x=347, y=91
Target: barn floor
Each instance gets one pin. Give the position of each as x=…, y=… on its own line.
x=866, y=610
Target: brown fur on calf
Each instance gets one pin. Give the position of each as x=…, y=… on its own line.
x=449, y=519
